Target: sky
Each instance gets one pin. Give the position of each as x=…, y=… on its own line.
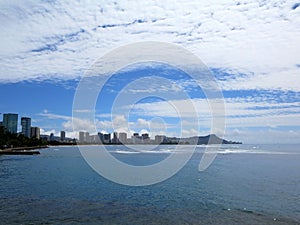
x=251, y=47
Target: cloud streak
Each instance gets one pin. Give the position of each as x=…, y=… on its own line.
x=251, y=46
x=42, y=40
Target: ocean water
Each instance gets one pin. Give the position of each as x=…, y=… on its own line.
x=246, y=184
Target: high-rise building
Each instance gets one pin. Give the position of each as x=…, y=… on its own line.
x=62, y=136
x=136, y=138
x=115, y=138
x=123, y=137
x=51, y=137
x=94, y=139
x=26, y=124
x=84, y=137
x=145, y=136
x=10, y=122
x=101, y=137
x=35, y=132
x=87, y=137
x=81, y=137
x=106, y=139
x=160, y=139
x=1, y=127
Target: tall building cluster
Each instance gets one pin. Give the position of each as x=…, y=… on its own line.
x=10, y=124
x=119, y=138
x=26, y=126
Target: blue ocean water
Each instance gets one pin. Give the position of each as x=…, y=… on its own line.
x=246, y=184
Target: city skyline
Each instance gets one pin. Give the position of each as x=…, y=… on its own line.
x=85, y=137
x=10, y=124
x=29, y=131
x=150, y=112
x=255, y=63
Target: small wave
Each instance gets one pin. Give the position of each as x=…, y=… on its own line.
x=124, y=152
x=252, y=151
x=157, y=151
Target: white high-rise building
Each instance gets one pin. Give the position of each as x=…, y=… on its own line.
x=160, y=139
x=84, y=137
x=81, y=137
x=123, y=137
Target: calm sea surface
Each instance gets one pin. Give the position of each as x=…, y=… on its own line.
x=246, y=184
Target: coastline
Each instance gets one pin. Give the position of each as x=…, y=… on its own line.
x=22, y=150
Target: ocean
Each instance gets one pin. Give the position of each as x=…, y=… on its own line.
x=245, y=184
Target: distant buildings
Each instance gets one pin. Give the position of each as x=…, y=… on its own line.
x=35, y=132
x=84, y=137
x=143, y=139
x=115, y=139
x=52, y=137
x=81, y=137
x=10, y=122
x=58, y=139
x=123, y=138
x=26, y=126
x=94, y=139
x=106, y=139
x=135, y=138
x=159, y=139
x=101, y=137
x=62, y=136
x=87, y=137
x=172, y=140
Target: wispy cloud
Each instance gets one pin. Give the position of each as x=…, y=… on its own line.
x=239, y=112
x=42, y=40
x=251, y=46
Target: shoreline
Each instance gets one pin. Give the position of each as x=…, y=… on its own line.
x=22, y=150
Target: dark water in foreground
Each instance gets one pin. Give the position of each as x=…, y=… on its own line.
x=244, y=185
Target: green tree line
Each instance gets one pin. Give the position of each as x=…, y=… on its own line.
x=8, y=140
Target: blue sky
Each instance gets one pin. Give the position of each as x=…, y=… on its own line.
x=251, y=47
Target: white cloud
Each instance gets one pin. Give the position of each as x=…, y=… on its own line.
x=239, y=112
x=69, y=134
x=190, y=133
x=54, y=116
x=256, y=42
x=264, y=136
x=155, y=126
x=284, y=80
x=60, y=40
x=48, y=132
x=247, y=120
